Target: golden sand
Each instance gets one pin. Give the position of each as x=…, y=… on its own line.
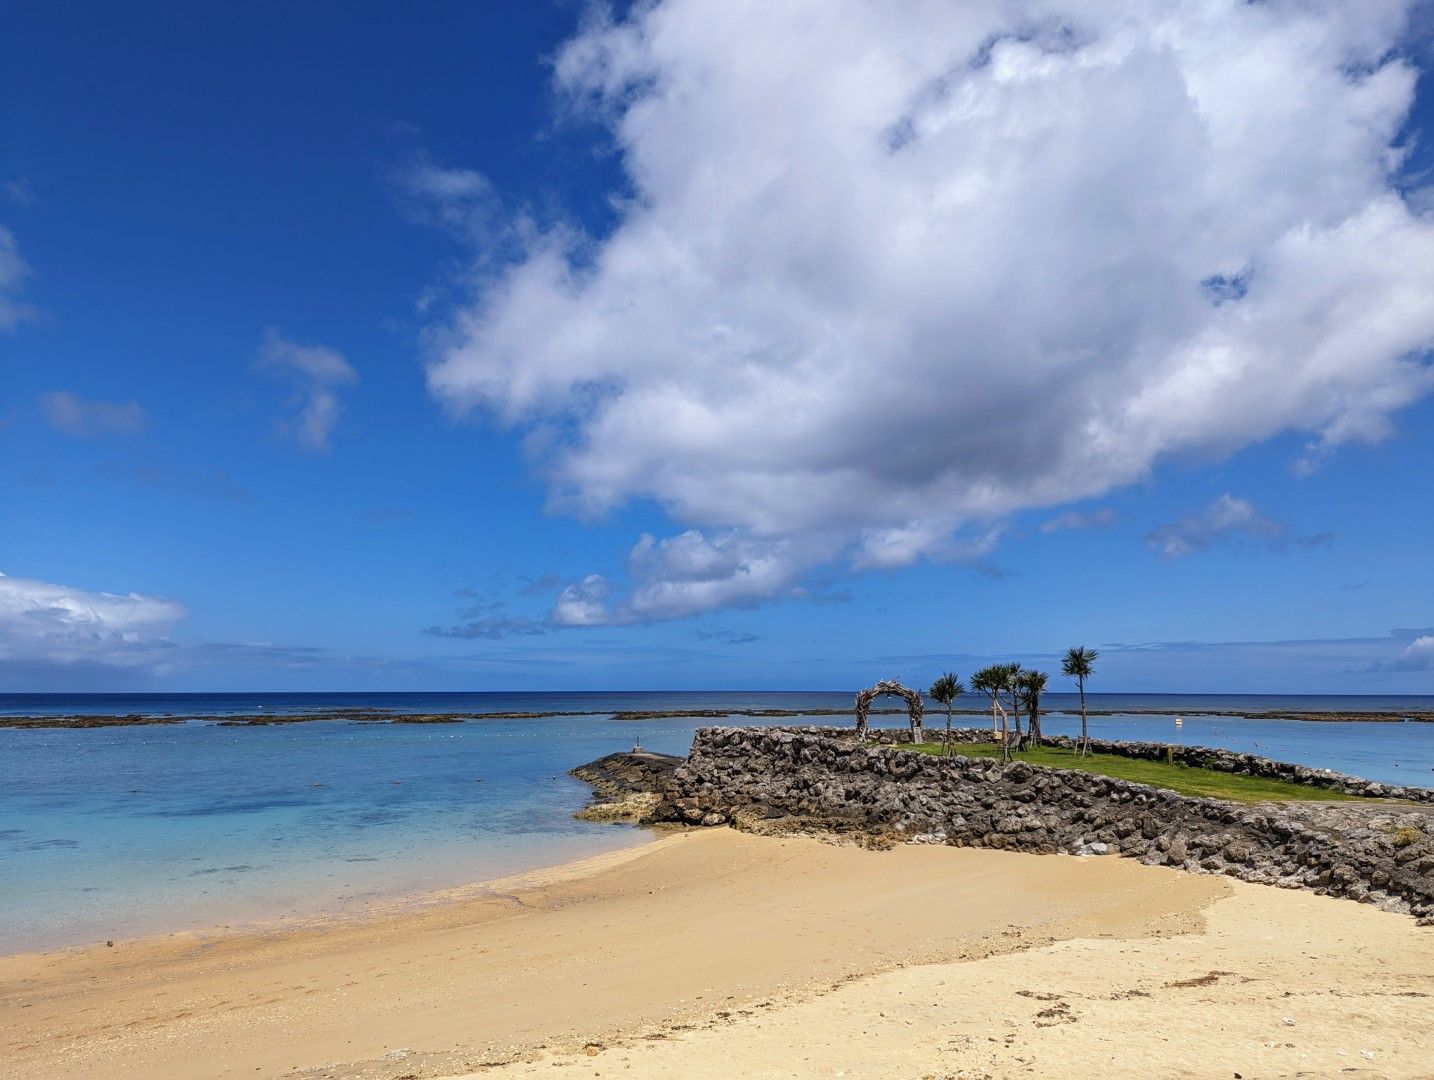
x=717, y=953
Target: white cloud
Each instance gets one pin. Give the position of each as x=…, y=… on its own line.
x=1226, y=516
x=690, y=573
x=85, y=419
x=317, y=372
x=888, y=272
x=1417, y=656
x=59, y=625
x=13, y=272
x=584, y=603
x=685, y=575
x=904, y=545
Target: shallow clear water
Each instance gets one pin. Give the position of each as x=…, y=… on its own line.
x=109, y=833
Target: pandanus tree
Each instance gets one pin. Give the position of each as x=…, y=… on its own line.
x=1033, y=685
x=1079, y=664
x=945, y=691
x=984, y=682
x=1010, y=677
x=995, y=681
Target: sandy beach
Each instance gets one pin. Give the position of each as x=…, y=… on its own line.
x=724, y=954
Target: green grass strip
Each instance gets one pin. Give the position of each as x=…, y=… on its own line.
x=1186, y=779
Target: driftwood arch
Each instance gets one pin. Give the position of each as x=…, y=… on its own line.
x=915, y=706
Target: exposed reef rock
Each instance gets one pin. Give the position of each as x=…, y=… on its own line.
x=389, y=716
x=626, y=785
x=132, y=720
x=360, y=715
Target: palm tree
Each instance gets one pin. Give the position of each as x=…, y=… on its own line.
x=1079, y=664
x=1033, y=685
x=944, y=691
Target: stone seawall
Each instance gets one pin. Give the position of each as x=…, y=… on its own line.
x=807, y=780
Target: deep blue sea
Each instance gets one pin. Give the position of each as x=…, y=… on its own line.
x=110, y=833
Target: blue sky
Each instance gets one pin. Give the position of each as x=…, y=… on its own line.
x=481, y=346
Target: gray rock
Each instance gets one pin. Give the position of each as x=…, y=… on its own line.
x=813, y=779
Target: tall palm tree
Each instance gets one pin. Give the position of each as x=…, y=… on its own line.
x=1079, y=664
x=1033, y=685
x=944, y=691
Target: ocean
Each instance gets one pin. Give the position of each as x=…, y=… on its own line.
x=115, y=832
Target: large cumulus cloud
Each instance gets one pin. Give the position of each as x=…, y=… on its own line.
x=58, y=625
x=887, y=272
x=64, y=638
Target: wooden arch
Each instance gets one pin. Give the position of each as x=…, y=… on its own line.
x=914, y=705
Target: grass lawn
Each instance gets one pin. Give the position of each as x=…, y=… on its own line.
x=1185, y=779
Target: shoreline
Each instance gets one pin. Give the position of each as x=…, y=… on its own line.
x=339, y=912
x=367, y=912
x=669, y=904
x=688, y=952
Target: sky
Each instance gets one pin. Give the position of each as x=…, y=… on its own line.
x=716, y=344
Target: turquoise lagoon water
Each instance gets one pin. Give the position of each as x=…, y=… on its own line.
x=111, y=833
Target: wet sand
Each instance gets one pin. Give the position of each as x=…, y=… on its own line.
x=722, y=954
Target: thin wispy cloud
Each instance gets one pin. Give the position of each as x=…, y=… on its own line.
x=18, y=191
x=83, y=418
x=14, y=271
x=1104, y=518
x=487, y=617
x=316, y=372
x=727, y=637
x=205, y=483
x=541, y=585
x=1227, y=519
x=460, y=200
x=814, y=335
x=1293, y=665
x=491, y=628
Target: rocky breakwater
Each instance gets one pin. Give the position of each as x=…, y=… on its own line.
x=784, y=781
